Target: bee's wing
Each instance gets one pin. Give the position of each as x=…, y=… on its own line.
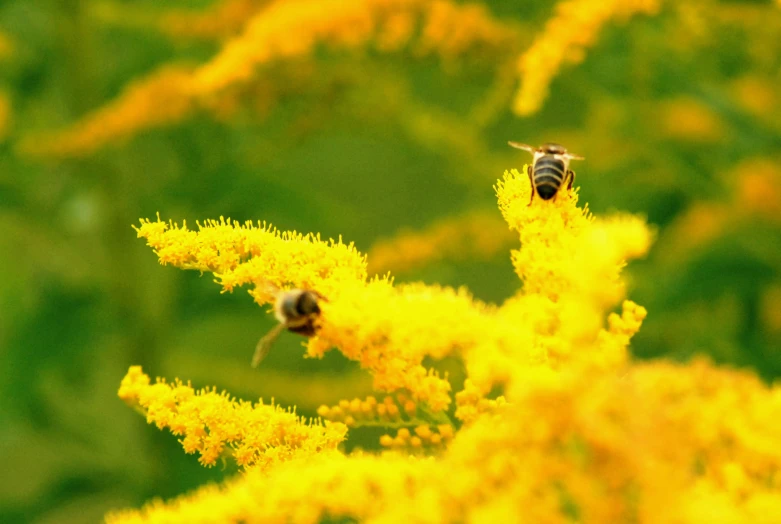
x=574, y=157
x=518, y=145
x=264, y=344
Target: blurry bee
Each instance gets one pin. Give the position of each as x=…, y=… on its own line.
x=296, y=310
x=549, y=170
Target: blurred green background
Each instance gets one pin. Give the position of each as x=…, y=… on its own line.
x=678, y=116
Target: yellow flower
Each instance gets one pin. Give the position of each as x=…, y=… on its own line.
x=578, y=433
x=565, y=38
x=569, y=263
x=289, y=29
x=210, y=423
x=476, y=235
x=160, y=99
x=266, y=32
x=219, y=21
x=570, y=266
x=471, y=403
x=241, y=254
x=663, y=443
x=687, y=119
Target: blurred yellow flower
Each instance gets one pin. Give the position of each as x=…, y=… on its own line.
x=288, y=29
x=686, y=119
x=565, y=38
x=160, y=99
x=267, y=31
x=756, y=94
x=759, y=188
x=476, y=235
x=221, y=20
x=6, y=114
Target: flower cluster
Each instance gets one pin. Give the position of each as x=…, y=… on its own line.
x=662, y=443
x=241, y=254
x=212, y=424
x=264, y=32
x=162, y=98
x=289, y=29
x=369, y=411
x=564, y=39
x=421, y=437
x=577, y=431
x=471, y=403
x=390, y=330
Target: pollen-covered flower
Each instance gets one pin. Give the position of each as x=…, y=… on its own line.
x=555, y=422
x=258, y=255
x=663, y=443
x=570, y=266
x=211, y=423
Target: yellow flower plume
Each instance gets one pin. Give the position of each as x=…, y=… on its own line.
x=664, y=443
x=212, y=423
x=579, y=432
x=564, y=38
x=569, y=263
x=241, y=254
x=288, y=29
x=160, y=99
x=268, y=32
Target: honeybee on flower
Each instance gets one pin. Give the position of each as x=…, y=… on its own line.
x=296, y=310
x=549, y=169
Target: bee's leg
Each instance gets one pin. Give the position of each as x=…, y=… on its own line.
x=571, y=176
x=531, y=183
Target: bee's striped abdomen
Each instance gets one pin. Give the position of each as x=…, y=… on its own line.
x=548, y=175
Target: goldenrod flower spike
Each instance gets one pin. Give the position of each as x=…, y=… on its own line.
x=241, y=254
x=268, y=31
x=219, y=21
x=388, y=330
x=570, y=266
x=565, y=37
x=160, y=99
x=391, y=330
x=664, y=443
x=287, y=29
x=211, y=423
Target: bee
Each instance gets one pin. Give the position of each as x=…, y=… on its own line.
x=296, y=310
x=549, y=170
